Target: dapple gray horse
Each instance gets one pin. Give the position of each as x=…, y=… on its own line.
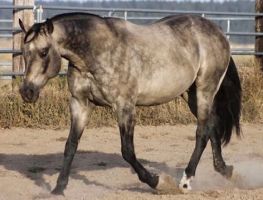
x=115, y=63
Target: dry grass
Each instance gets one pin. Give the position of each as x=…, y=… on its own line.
x=252, y=86
x=52, y=110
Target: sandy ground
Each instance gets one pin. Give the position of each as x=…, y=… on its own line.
x=30, y=160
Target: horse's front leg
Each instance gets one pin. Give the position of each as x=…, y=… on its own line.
x=79, y=113
x=126, y=122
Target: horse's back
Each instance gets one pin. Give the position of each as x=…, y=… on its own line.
x=161, y=61
x=173, y=51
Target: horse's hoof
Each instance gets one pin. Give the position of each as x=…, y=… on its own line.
x=184, y=185
x=57, y=191
x=167, y=185
x=229, y=171
x=226, y=171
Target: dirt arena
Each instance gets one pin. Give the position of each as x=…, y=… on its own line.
x=31, y=158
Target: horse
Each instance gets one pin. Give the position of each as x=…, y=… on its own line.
x=121, y=65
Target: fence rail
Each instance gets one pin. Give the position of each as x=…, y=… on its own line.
x=10, y=74
x=238, y=14
x=125, y=13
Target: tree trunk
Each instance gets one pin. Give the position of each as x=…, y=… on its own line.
x=259, y=29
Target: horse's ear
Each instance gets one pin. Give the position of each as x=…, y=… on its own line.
x=50, y=26
x=29, y=36
x=22, y=26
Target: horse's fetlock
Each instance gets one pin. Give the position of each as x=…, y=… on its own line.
x=150, y=179
x=219, y=166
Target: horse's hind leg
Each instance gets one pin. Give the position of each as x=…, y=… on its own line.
x=206, y=89
x=79, y=114
x=218, y=161
x=214, y=135
x=126, y=122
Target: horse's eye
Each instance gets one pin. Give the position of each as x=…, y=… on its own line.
x=43, y=53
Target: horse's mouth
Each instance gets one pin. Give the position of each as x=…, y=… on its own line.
x=29, y=93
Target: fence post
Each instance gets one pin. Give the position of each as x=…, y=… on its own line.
x=125, y=15
x=39, y=14
x=27, y=16
x=228, y=28
x=258, y=29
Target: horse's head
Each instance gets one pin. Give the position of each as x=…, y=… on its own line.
x=42, y=59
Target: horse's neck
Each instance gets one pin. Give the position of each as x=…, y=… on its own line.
x=80, y=44
x=65, y=44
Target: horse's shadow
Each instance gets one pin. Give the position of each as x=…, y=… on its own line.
x=35, y=167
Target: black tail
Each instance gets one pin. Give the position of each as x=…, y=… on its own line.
x=228, y=104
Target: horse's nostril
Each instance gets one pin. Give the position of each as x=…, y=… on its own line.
x=30, y=93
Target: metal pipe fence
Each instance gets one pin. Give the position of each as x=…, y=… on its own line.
x=132, y=14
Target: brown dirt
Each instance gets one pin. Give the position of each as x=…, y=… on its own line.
x=30, y=160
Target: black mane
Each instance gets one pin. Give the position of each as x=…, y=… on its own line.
x=36, y=28
x=74, y=15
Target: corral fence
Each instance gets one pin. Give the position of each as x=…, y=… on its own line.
x=36, y=13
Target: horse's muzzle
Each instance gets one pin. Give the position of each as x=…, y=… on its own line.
x=29, y=92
